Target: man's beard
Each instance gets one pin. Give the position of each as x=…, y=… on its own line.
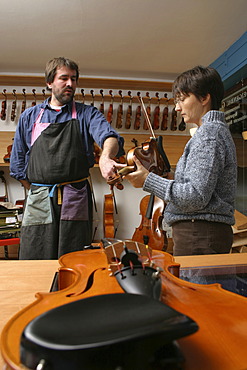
x=64, y=98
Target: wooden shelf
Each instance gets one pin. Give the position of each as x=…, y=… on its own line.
x=88, y=82
x=173, y=144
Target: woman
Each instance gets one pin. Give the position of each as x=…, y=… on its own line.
x=200, y=198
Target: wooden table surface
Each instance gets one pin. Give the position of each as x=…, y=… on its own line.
x=20, y=280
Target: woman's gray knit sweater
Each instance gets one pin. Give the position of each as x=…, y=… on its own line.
x=205, y=179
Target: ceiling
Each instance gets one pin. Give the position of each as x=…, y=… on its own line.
x=135, y=39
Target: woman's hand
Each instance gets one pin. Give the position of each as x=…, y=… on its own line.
x=138, y=177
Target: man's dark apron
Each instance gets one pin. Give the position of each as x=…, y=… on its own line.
x=57, y=167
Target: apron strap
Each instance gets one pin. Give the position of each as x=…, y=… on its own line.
x=74, y=114
x=59, y=194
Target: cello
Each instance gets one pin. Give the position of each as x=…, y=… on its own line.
x=216, y=343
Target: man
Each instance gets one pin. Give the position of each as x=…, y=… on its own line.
x=51, y=156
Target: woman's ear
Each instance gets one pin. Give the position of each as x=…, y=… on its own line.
x=206, y=100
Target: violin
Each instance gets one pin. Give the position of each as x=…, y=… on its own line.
x=4, y=106
x=174, y=120
x=13, y=111
x=164, y=123
x=96, y=152
x=182, y=125
x=149, y=154
x=148, y=109
x=83, y=96
x=120, y=112
x=108, y=216
x=34, y=101
x=214, y=338
x=150, y=230
x=6, y=158
x=129, y=112
x=110, y=109
x=101, y=108
x=156, y=119
x=24, y=101
x=92, y=102
x=137, y=123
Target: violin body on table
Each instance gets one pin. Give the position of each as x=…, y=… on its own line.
x=218, y=344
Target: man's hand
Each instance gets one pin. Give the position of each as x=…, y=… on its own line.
x=107, y=165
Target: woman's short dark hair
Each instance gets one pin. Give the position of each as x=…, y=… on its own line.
x=200, y=81
x=56, y=63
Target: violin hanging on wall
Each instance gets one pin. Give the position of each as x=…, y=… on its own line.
x=4, y=106
x=120, y=112
x=6, y=158
x=164, y=123
x=148, y=109
x=35, y=99
x=137, y=123
x=128, y=118
x=13, y=111
x=101, y=108
x=156, y=118
x=174, y=120
x=24, y=101
x=110, y=109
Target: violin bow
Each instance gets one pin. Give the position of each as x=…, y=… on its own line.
x=146, y=116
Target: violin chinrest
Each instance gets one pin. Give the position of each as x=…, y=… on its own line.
x=102, y=332
x=136, y=280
